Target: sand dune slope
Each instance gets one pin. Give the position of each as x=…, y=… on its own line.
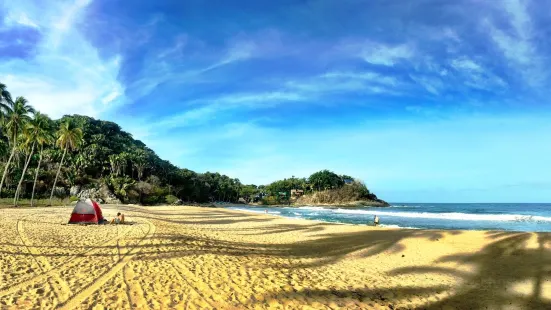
x=201, y=258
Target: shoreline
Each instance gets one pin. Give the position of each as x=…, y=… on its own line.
x=188, y=257
x=369, y=224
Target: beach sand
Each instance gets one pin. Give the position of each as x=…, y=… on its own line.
x=207, y=258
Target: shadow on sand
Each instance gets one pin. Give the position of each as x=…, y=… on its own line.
x=501, y=265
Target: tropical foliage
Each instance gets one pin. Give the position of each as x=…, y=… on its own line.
x=44, y=158
x=323, y=181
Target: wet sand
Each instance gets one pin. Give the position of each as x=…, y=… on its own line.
x=207, y=258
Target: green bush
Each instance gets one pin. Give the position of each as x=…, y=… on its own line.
x=171, y=199
x=73, y=198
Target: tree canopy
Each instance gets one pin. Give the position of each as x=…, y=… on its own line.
x=78, y=150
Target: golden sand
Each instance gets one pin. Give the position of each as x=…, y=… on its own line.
x=202, y=258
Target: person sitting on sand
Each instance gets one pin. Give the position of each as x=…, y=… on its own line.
x=119, y=219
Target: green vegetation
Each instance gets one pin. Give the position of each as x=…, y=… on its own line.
x=78, y=156
x=322, y=187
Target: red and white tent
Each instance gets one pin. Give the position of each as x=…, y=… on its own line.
x=86, y=212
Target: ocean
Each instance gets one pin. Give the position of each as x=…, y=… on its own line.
x=465, y=216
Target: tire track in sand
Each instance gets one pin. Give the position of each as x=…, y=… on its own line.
x=59, y=286
x=88, y=290
x=71, y=262
x=134, y=291
x=179, y=268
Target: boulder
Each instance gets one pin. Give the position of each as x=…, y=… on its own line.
x=60, y=191
x=87, y=193
x=74, y=190
x=107, y=195
x=101, y=195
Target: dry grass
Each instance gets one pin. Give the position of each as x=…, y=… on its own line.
x=8, y=202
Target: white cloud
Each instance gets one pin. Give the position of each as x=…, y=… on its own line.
x=476, y=76
x=466, y=64
x=366, y=82
x=111, y=96
x=235, y=53
x=373, y=52
x=518, y=46
x=69, y=14
x=176, y=49
x=387, y=55
x=204, y=111
x=160, y=69
x=368, y=76
x=21, y=19
x=66, y=75
x=433, y=85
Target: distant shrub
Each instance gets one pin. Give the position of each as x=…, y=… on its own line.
x=73, y=198
x=171, y=199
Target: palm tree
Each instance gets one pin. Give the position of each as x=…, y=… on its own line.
x=5, y=97
x=27, y=148
x=139, y=161
x=17, y=116
x=69, y=137
x=36, y=133
x=44, y=137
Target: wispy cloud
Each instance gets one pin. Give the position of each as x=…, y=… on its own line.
x=21, y=19
x=378, y=53
x=200, y=77
x=349, y=82
x=432, y=84
x=205, y=111
x=66, y=74
x=518, y=45
x=466, y=64
x=386, y=55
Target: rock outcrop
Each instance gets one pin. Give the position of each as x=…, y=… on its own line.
x=101, y=194
x=74, y=190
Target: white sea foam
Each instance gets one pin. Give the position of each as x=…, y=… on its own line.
x=256, y=211
x=313, y=208
x=397, y=226
x=451, y=216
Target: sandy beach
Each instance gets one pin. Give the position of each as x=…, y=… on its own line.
x=209, y=258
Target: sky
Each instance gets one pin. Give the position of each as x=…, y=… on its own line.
x=425, y=101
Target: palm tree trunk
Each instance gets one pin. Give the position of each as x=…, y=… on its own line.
x=6, y=169
x=36, y=175
x=18, y=191
x=57, y=174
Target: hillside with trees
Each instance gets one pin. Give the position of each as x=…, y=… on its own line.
x=80, y=157
x=321, y=188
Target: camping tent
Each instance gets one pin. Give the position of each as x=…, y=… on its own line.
x=86, y=212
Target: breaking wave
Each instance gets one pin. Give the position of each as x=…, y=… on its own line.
x=452, y=216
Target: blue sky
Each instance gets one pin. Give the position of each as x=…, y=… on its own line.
x=426, y=101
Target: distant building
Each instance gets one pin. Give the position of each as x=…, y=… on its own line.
x=348, y=181
x=297, y=192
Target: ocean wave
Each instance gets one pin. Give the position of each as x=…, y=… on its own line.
x=255, y=211
x=397, y=226
x=313, y=208
x=452, y=216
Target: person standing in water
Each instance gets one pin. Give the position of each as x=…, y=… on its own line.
x=376, y=220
